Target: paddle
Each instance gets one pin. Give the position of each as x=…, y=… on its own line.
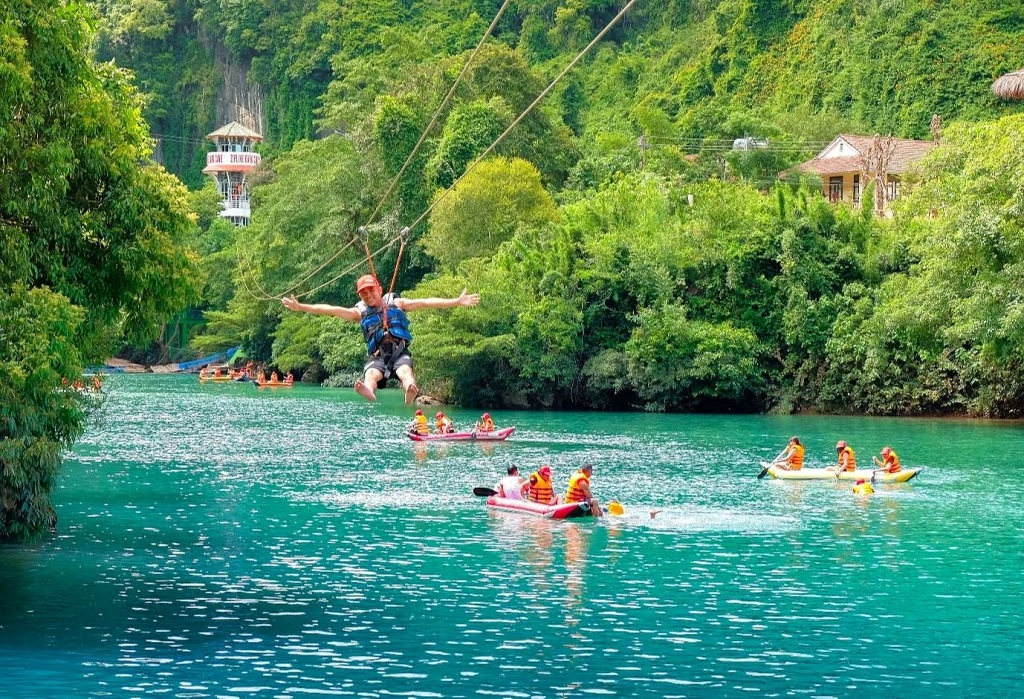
x=484, y=492
x=764, y=470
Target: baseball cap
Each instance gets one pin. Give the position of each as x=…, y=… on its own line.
x=367, y=281
x=545, y=470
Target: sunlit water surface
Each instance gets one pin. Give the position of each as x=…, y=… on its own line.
x=226, y=541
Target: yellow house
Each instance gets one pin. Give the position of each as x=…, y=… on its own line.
x=849, y=163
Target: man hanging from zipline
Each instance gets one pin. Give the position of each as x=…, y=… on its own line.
x=386, y=329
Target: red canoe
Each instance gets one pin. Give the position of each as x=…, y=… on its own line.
x=566, y=510
x=474, y=436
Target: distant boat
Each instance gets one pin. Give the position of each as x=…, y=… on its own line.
x=271, y=383
x=466, y=436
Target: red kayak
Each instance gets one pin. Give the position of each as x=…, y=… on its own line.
x=473, y=436
x=566, y=510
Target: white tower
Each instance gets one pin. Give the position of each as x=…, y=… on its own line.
x=228, y=166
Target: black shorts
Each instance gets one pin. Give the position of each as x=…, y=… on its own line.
x=388, y=363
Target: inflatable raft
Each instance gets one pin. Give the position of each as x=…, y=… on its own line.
x=569, y=510
x=828, y=474
x=473, y=436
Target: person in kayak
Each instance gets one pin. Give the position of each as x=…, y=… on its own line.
x=540, y=489
x=486, y=424
x=419, y=424
x=793, y=458
x=512, y=485
x=890, y=463
x=386, y=330
x=443, y=423
x=847, y=461
x=579, y=489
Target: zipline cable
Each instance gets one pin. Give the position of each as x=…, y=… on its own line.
x=479, y=158
x=351, y=268
x=522, y=116
x=269, y=297
x=405, y=166
x=511, y=126
x=437, y=112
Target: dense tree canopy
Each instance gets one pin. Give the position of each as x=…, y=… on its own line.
x=626, y=256
x=91, y=240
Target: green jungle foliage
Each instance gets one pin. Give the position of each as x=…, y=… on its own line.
x=91, y=242
x=627, y=256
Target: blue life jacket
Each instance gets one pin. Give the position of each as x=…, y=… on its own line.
x=372, y=323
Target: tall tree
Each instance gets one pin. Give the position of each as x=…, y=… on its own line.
x=90, y=240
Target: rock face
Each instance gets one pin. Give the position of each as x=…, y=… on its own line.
x=237, y=99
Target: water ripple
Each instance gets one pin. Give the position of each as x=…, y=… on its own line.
x=226, y=542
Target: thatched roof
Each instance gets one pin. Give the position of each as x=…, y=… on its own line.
x=1010, y=86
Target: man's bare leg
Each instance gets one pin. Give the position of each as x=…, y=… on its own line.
x=408, y=383
x=367, y=387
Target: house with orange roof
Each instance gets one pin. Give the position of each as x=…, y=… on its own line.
x=850, y=162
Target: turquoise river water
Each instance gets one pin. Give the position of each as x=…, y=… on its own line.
x=228, y=541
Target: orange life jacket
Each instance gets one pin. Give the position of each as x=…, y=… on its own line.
x=852, y=463
x=540, y=489
x=575, y=492
x=796, y=459
x=892, y=463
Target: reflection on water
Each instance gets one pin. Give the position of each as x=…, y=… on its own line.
x=222, y=542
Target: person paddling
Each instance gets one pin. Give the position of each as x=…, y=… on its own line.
x=846, y=461
x=793, y=458
x=890, y=462
x=385, y=329
x=485, y=424
x=512, y=485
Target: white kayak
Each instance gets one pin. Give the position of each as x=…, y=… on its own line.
x=829, y=474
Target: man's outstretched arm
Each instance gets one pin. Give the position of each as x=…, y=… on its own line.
x=462, y=299
x=293, y=304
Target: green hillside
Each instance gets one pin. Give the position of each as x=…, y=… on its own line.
x=627, y=257
x=677, y=69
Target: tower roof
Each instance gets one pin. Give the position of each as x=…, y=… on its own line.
x=236, y=130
